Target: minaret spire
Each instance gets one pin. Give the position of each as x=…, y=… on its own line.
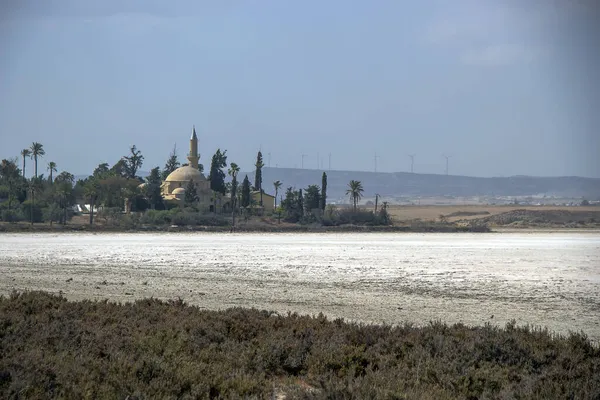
x=193, y=156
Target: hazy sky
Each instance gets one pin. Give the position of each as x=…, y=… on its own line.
x=504, y=87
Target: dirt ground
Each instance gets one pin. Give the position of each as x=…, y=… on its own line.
x=431, y=213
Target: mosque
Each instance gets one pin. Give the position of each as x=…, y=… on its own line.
x=173, y=188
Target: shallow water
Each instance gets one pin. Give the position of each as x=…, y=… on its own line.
x=547, y=279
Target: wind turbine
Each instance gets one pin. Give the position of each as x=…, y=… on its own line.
x=303, y=155
x=375, y=158
x=447, y=160
x=412, y=162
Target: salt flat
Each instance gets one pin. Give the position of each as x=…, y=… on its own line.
x=541, y=278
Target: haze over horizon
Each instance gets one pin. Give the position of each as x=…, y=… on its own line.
x=504, y=87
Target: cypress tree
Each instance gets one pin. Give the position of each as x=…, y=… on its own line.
x=300, y=203
x=245, y=192
x=152, y=190
x=217, y=176
x=323, y=191
x=171, y=165
x=258, y=176
x=191, y=194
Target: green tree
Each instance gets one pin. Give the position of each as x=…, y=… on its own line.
x=355, y=191
x=91, y=190
x=245, y=192
x=52, y=213
x=37, y=150
x=292, y=205
x=51, y=169
x=112, y=189
x=101, y=171
x=258, y=176
x=234, y=169
x=33, y=187
x=217, y=176
x=119, y=169
x=133, y=162
x=64, y=190
x=65, y=177
x=152, y=189
x=172, y=164
x=323, y=191
x=191, y=194
x=300, y=203
x=25, y=153
x=277, y=186
x=312, y=198
x=10, y=177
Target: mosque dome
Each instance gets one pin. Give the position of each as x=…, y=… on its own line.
x=185, y=174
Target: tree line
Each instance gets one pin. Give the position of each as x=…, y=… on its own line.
x=118, y=188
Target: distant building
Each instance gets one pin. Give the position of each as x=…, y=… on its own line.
x=268, y=200
x=174, y=187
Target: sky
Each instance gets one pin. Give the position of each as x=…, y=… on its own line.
x=501, y=87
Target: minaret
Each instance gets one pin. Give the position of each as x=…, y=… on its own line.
x=193, y=156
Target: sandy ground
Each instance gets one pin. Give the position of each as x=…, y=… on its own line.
x=541, y=278
x=430, y=213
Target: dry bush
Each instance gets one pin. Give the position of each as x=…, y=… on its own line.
x=52, y=348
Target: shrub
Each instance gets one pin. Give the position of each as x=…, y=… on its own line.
x=27, y=208
x=52, y=348
x=156, y=217
x=12, y=215
x=110, y=215
x=192, y=218
x=53, y=213
x=129, y=221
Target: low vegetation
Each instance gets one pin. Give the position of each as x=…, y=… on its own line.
x=53, y=348
x=545, y=219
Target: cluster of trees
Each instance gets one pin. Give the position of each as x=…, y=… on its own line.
x=37, y=198
x=118, y=188
x=303, y=205
x=310, y=205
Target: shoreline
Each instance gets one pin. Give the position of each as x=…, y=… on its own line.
x=39, y=228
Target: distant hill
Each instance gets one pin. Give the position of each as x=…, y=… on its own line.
x=409, y=184
x=395, y=184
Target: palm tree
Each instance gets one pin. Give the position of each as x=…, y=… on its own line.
x=65, y=177
x=233, y=171
x=64, y=192
x=276, y=185
x=355, y=191
x=51, y=168
x=37, y=150
x=34, y=185
x=25, y=153
x=90, y=190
